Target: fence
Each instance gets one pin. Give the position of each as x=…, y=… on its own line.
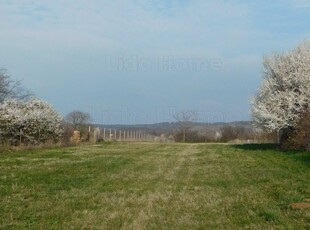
x=109, y=134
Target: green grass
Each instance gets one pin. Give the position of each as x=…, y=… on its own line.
x=154, y=186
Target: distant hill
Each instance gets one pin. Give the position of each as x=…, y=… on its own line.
x=172, y=127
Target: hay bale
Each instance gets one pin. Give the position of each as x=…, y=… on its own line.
x=97, y=134
x=76, y=136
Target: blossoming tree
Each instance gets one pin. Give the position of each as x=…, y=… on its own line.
x=285, y=91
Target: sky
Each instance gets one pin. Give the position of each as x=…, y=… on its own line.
x=141, y=61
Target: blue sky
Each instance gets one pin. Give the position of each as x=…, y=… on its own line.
x=139, y=61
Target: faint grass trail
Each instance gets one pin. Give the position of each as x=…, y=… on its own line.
x=171, y=164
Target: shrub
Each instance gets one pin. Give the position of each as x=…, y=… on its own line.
x=30, y=122
x=299, y=137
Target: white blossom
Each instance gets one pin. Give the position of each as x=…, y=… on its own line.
x=35, y=121
x=285, y=90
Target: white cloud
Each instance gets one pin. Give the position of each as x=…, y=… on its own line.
x=127, y=25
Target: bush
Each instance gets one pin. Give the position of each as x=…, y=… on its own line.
x=299, y=137
x=30, y=122
x=191, y=137
x=228, y=133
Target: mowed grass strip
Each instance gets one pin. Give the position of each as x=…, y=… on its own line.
x=154, y=186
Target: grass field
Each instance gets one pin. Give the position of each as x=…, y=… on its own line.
x=154, y=186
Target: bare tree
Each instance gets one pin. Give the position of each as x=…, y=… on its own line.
x=78, y=119
x=185, y=120
x=11, y=89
